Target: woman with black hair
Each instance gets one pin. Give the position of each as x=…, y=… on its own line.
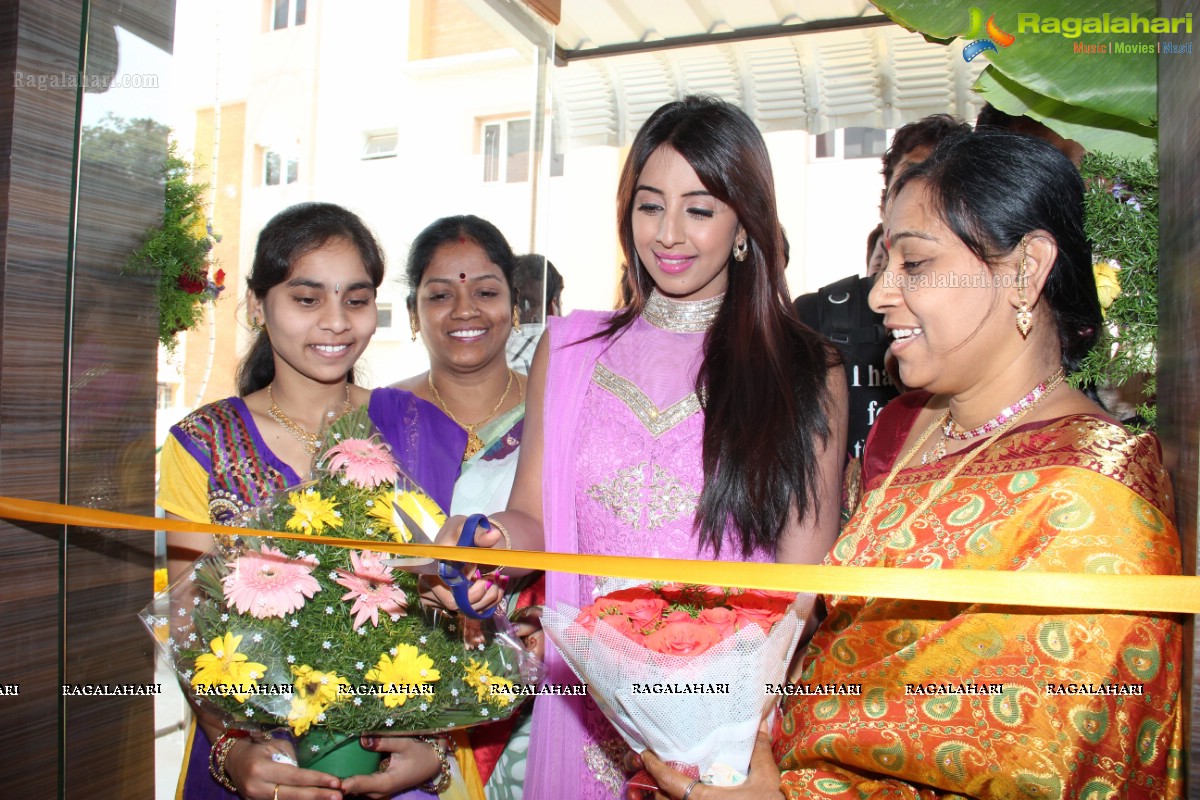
x=702, y=420
x=994, y=463
x=311, y=303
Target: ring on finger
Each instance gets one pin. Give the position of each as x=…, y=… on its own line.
x=690, y=787
x=384, y=763
x=275, y=796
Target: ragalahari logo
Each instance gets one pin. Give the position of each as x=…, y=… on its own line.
x=994, y=36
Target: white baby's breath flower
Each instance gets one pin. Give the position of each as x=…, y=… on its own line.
x=291, y=659
x=325, y=645
x=295, y=623
x=328, y=609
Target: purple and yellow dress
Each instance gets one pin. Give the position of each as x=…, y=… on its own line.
x=216, y=465
x=622, y=475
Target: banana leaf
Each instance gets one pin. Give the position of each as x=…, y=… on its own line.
x=1046, y=64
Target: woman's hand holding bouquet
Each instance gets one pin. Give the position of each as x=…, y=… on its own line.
x=682, y=670
x=326, y=641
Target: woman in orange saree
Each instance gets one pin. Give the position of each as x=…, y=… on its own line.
x=995, y=464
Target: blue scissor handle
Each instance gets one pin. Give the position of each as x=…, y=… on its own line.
x=451, y=571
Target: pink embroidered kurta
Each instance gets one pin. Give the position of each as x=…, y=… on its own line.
x=623, y=475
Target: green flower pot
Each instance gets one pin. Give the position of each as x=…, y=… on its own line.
x=338, y=754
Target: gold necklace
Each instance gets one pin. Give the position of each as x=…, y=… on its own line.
x=944, y=483
x=474, y=443
x=310, y=441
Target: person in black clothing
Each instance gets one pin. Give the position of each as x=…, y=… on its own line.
x=840, y=312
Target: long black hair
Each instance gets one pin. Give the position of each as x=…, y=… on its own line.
x=764, y=373
x=992, y=188
x=289, y=236
x=448, y=230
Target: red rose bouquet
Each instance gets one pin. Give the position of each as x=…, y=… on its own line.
x=683, y=670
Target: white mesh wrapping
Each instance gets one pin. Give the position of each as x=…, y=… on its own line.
x=704, y=729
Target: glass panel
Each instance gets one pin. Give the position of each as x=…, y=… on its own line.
x=491, y=153
x=271, y=168
x=865, y=142
x=241, y=109
x=825, y=144
x=111, y=393
x=517, y=169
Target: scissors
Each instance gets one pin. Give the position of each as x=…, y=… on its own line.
x=451, y=572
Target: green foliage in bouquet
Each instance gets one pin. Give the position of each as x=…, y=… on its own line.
x=1121, y=220
x=288, y=632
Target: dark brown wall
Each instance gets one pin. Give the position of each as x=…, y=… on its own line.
x=68, y=599
x=1179, y=321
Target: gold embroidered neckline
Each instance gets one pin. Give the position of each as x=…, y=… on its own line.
x=652, y=418
x=681, y=316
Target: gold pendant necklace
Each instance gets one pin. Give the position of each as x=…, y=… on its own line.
x=310, y=441
x=474, y=443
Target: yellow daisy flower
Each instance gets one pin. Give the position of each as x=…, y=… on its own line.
x=381, y=511
x=1108, y=283
x=480, y=678
x=408, y=667
x=303, y=714
x=160, y=579
x=319, y=687
x=225, y=666
x=313, y=513
x=417, y=505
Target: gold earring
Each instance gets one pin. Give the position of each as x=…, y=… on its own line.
x=412, y=324
x=740, y=249
x=516, y=320
x=252, y=321
x=1024, y=315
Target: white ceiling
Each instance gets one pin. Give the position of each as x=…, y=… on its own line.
x=859, y=73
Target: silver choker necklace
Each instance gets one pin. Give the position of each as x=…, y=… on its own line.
x=681, y=316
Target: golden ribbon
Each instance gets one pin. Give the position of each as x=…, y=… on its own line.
x=1144, y=593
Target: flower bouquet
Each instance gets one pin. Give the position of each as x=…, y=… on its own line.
x=331, y=642
x=682, y=670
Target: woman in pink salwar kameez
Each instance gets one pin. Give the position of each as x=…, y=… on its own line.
x=702, y=420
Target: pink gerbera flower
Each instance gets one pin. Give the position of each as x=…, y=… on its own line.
x=269, y=584
x=372, y=589
x=367, y=462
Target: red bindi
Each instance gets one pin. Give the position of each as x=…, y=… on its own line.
x=462, y=277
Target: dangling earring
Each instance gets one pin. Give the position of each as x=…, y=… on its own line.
x=252, y=321
x=516, y=320
x=412, y=324
x=740, y=249
x=1024, y=315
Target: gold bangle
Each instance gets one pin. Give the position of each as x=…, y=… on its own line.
x=503, y=532
x=218, y=754
x=440, y=782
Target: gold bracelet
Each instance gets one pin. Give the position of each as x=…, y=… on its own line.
x=440, y=782
x=507, y=543
x=218, y=754
x=503, y=532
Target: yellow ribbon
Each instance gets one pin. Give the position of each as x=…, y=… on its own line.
x=1145, y=593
